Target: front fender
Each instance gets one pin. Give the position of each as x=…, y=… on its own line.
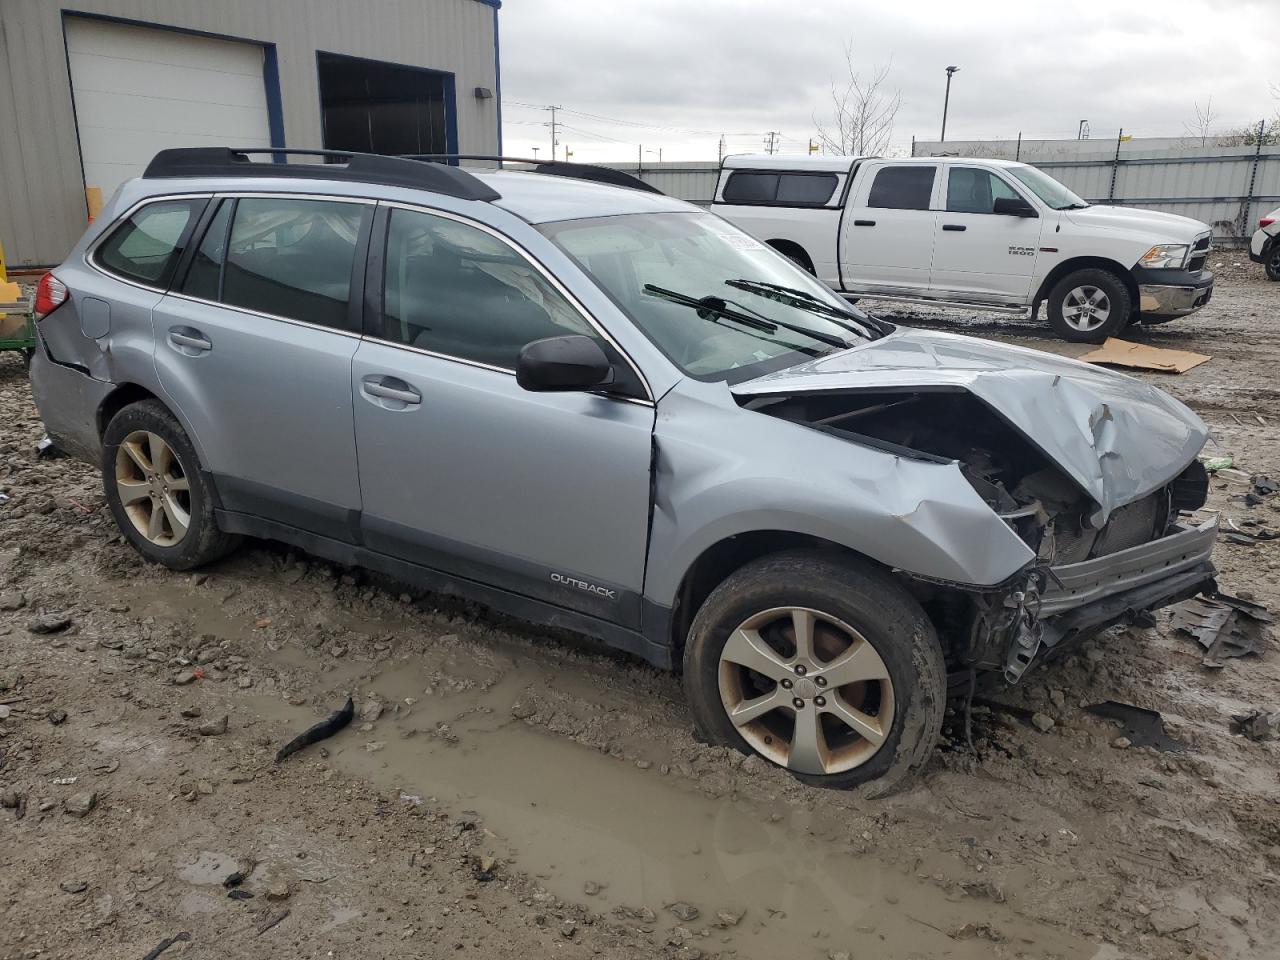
x=722, y=471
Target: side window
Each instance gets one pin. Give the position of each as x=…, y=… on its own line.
x=806, y=188
x=146, y=247
x=291, y=258
x=970, y=190
x=204, y=276
x=902, y=188
x=748, y=187
x=456, y=290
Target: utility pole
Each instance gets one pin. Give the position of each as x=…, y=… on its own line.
x=720, y=157
x=771, y=141
x=1083, y=132
x=555, y=139
x=946, y=102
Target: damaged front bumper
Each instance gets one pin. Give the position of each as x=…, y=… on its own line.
x=1085, y=597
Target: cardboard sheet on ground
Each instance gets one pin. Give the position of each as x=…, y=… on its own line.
x=1139, y=356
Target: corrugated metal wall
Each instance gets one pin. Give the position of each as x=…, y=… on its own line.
x=1209, y=183
x=42, y=202
x=694, y=181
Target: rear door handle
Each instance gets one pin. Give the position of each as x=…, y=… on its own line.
x=189, y=340
x=864, y=223
x=391, y=388
x=958, y=227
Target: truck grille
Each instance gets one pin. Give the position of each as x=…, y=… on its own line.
x=1199, y=254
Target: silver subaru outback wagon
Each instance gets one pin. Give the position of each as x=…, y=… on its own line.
x=596, y=407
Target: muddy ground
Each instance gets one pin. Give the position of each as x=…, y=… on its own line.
x=506, y=792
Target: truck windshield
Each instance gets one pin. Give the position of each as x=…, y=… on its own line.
x=1048, y=189
x=670, y=271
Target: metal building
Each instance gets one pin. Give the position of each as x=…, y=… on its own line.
x=95, y=87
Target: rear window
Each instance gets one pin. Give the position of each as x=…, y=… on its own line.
x=782, y=189
x=902, y=188
x=751, y=188
x=146, y=247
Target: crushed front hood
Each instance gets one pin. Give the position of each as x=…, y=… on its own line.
x=1115, y=436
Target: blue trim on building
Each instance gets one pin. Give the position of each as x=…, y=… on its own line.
x=275, y=103
x=451, y=115
x=497, y=70
x=496, y=4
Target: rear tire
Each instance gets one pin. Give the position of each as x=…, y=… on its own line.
x=160, y=496
x=1087, y=306
x=873, y=684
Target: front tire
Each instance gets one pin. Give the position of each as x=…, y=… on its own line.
x=819, y=664
x=1271, y=261
x=1088, y=306
x=160, y=497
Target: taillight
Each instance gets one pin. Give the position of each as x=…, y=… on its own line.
x=1266, y=222
x=51, y=293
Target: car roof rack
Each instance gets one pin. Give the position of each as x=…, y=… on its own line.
x=555, y=168
x=449, y=180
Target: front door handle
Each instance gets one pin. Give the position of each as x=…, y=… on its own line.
x=189, y=341
x=958, y=227
x=864, y=223
x=391, y=388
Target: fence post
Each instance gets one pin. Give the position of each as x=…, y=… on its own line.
x=1115, y=166
x=1017, y=151
x=913, y=144
x=1247, y=216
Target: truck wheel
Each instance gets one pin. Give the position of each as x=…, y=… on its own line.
x=1271, y=263
x=160, y=497
x=820, y=664
x=1088, y=306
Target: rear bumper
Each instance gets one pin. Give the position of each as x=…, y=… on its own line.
x=68, y=401
x=1175, y=299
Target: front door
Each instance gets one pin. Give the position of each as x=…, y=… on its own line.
x=886, y=242
x=979, y=254
x=541, y=494
x=254, y=347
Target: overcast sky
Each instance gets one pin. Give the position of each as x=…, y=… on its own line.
x=674, y=74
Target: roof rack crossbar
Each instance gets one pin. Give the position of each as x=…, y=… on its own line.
x=555, y=168
x=361, y=167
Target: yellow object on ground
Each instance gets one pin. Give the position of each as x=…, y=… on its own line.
x=1139, y=356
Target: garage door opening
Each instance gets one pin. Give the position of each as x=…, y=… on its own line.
x=377, y=107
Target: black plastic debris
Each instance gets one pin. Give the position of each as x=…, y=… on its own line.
x=166, y=943
x=240, y=895
x=1225, y=626
x=1142, y=728
x=1256, y=725
x=322, y=730
x=1264, y=486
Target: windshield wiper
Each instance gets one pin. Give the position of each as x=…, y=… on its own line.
x=807, y=301
x=720, y=306
x=1073, y=206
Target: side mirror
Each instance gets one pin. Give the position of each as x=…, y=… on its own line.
x=565, y=363
x=1013, y=207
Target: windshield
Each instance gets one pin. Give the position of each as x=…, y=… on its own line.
x=719, y=303
x=1047, y=189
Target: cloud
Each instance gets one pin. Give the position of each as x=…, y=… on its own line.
x=743, y=67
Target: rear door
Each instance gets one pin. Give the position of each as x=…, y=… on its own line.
x=979, y=254
x=254, y=347
x=887, y=234
x=540, y=494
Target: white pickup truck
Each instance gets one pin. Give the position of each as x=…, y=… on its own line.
x=960, y=232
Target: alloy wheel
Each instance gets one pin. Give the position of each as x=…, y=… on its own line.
x=806, y=690
x=153, y=488
x=1086, y=308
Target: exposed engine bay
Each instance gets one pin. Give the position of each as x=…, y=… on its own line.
x=997, y=629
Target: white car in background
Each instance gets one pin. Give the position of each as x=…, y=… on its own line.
x=1264, y=248
x=971, y=233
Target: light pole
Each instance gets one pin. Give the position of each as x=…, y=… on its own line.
x=945, y=102
x=658, y=152
x=535, y=152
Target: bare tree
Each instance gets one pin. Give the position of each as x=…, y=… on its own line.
x=1200, y=126
x=864, y=109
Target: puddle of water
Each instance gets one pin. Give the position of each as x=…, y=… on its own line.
x=572, y=815
x=208, y=869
